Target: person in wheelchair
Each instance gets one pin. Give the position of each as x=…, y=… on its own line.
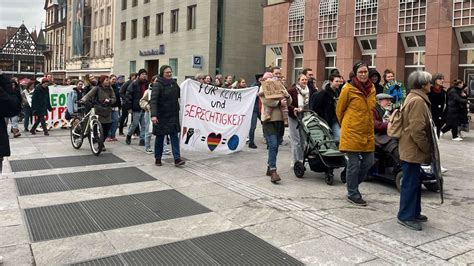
x=385, y=145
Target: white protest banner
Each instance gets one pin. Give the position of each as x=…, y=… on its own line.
x=58, y=99
x=215, y=120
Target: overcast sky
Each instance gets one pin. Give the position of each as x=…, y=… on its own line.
x=13, y=12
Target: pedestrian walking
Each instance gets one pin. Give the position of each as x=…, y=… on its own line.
x=438, y=99
x=300, y=100
x=123, y=92
x=40, y=105
x=27, y=95
x=415, y=146
x=165, y=114
x=15, y=119
x=134, y=93
x=255, y=114
x=457, y=105
x=354, y=112
x=115, y=109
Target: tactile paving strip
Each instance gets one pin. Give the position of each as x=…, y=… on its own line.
x=170, y=204
x=63, y=162
x=80, y=180
x=65, y=220
x=237, y=247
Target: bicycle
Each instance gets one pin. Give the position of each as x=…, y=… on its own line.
x=90, y=127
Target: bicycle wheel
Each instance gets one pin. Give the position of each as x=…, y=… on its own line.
x=76, y=133
x=96, y=137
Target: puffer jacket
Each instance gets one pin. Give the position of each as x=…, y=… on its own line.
x=354, y=112
x=415, y=143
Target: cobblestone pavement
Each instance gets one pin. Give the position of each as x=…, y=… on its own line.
x=304, y=218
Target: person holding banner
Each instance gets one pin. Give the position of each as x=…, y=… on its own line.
x=273, y=127
x=164, y=105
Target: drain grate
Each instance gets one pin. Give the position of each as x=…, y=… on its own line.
x=170, y=204
x=112, y=260
x=58, y=221
x=39, y=184
x=237, y=247
x=65, y=220
x=29, y=165
x=240, y=247
x=118, y=212
x=63, y=162
x=80, y=180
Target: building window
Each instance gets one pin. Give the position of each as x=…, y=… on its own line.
x=298, y=52
x=96, y=18
x=146, y=1
x=414, y=42
x=134, y=3
x=174, y=66
x=327, y=27
x=123, y=31
x=412, y=15
x=192, y=17
x=368, y=48
x=108, y=50
x=330, y=50
x=94, y=49
x=109, y=15
x=366, y=17
x=134, y=29
x=146, y=26
x=101, y=47
x=133, y=67
x=124, y=4
x=159, y=24
x=296, y=21
x=463, y=14
x=174, y=20
x=102, y=17
x=273, y=56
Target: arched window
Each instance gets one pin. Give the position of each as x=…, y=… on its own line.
x=327, y=25
x=296, y=21
x=365, y=17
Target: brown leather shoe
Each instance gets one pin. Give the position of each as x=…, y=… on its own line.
x=274, y=177
x=179, y=162
x=268, y=172
x=158, y=162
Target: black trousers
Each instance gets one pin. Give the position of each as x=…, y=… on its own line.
x=106, y=128
x=123, y=118
x=454, y=130
x=43, y=124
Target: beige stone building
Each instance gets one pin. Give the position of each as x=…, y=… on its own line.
x=96, y=54
x=193, y=36
x=55, y=37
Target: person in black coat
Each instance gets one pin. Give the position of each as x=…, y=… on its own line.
x=10, y=105
x=456, y=110
x=438, y=98
x=375, y=77
x=115, y=109
x=325, y=104
x=132, y=101
x=165, y=114
x=40, y=106
x=123, y=92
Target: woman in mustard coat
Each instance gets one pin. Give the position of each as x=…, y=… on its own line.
x=355, y=115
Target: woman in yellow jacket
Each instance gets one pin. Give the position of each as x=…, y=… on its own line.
x=354, y=112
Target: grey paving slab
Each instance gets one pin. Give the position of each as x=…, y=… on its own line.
x=393, y=230
x=17, y=255
x=284, y=232
x=117, y=212
x=223, y=201
x=252, y=214
x=448, y=247
x=13, y=235
x=464, y=259
x=10, y=217
x=170, y=204
x=327, y=250
x=58, y=221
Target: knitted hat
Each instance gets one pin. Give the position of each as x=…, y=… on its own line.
x=142, y=71
x=267, y=75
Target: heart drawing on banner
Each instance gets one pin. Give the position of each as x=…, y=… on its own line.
x=213, y=141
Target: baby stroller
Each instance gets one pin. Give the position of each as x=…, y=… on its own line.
x=320, y=151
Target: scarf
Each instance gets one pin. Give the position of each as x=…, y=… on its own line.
x=303, y=96
x=164, y=81
x=364, y=88
x=436, y=89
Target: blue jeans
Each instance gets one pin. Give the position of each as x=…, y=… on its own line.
x=147, y=130
x=14, y=121
x=113, y=127
x=28, y=116
x=174, y=146
x=410, y=192
x=336, y=131
x=358, y=166
x=273, y=142
x=253, y=127
x=138, y=119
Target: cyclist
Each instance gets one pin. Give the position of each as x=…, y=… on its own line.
x=103, y=97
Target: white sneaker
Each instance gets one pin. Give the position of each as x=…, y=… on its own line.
x=148, y=151
x=457, y=139
x=166, y=151
x=443, y=170
x=441, y=135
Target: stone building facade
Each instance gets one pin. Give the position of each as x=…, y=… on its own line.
x=402, y=35
x=55, y=37
x=193, y=36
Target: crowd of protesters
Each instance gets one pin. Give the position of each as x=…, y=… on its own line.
x=356, y=110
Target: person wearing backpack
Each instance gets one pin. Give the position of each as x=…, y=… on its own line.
x=416, y=147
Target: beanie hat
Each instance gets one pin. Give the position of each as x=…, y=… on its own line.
x=142, y=71
x=267, y=75
x=162, y=69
